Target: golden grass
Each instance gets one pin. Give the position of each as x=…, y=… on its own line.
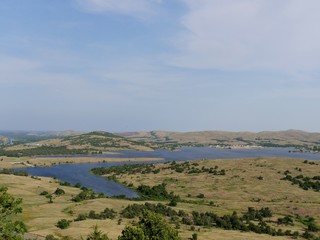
x=219, y=234
x=11, y=162
x=237, y=190
x=230, y=138
x=240, y=188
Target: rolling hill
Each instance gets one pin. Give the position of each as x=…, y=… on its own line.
x=289, y=138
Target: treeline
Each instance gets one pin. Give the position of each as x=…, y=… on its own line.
x=43, y=151
x=157, y=192
x=193, y=167
x=87, y=194
x=303, y=182
x=13, y=172
x=125, y=169
x=182, y=167
x=106, y=213
x=253, y=220
x=131, y=211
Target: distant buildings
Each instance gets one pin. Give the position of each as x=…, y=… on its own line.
x=6, y=140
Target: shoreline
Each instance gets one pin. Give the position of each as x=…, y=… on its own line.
x=10, y=163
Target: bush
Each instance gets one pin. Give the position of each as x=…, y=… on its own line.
x=201, y=195
x=51, y=237
x=44, y=193
x=59, y=191
x=97, y=235
x=173, y=202
x=150, y=226
x=63, y=223
x=194, y=236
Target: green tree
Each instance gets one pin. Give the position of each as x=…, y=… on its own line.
x=59, y=191
x=151, y=226
x=9, y=207
x=97, y=234
x=63, y=223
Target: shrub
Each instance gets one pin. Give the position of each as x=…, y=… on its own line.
x=44, y=193
x=63, y=223
x=59, y=191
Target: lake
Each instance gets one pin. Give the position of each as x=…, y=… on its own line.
x=74, y=173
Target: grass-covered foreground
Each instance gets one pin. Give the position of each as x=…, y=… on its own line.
x=200, y=199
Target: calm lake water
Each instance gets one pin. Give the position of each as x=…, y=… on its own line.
x=75, y=173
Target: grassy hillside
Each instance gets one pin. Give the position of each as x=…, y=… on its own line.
x=288, y=138
x=224, y=186
x=217, y=186
x=94, y=142
x=22, y=137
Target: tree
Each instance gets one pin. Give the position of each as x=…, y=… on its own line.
x=10, y=206
x=151, y=226
x=63, y=223
x=59, y=191
x=97, y=234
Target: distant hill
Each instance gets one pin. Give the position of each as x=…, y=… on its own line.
x=19, y=137
x=88, y=143
x=287, y=138
x=71, y=142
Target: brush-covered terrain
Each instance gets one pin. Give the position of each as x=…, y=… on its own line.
x=290, y=138
x=16, y=144
x=88, y=143
x=260, y=198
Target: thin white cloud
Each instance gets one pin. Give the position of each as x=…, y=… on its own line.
x=127, y=7
x=245, y=35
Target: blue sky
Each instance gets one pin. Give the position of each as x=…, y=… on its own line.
x=181, y=65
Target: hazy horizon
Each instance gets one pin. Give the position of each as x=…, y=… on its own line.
x=157, y=130
x=180, y=65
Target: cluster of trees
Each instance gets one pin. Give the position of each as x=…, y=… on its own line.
x=287, y=220
x=13, y=172
x=310, y=162
x=86, y=194
x=157, y=192
x=95, y=140
x=234, y=222
x=151, y=226
x=125, y=169
x=131, y=211
x=257, y=214
x=193, y=167
x=252, y=220
x=42, y=151
x=186, y=167
x=57, y=192
x=309, y=222
x=303, y=182
x=106, y=213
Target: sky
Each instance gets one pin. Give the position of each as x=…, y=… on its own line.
x=177, y=65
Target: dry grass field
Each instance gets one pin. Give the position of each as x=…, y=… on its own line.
x=281, y=138
x=13, y=162
x=241, y=186
x=247, y=183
